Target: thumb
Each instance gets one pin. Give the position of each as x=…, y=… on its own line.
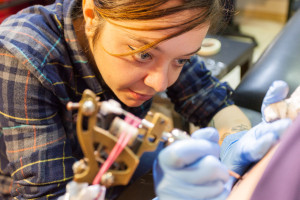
x=276, y=92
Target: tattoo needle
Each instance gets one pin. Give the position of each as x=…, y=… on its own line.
x=234, y=174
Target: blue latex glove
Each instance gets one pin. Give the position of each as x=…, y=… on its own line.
x=277, y=91
x=190, y=169
x=240, y=150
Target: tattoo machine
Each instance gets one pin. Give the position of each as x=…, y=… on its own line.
x=112, y=141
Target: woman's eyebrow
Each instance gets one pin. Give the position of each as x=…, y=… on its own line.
x=145, y=42
x=193, y=52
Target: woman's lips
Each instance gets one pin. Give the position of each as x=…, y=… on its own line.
x=141, y=97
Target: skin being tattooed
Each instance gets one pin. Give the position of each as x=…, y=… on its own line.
x=239, y=128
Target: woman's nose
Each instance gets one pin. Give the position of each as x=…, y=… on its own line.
x=157, y=79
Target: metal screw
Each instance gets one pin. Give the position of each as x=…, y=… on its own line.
x=107, y=179
x=88, y=108
x=79, y=166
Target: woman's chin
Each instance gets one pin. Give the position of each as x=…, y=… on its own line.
x=133, y=103
x=131, y=100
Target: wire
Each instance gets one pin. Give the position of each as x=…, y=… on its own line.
x=118, y=148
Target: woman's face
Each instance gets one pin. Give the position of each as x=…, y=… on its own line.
x=136, y=78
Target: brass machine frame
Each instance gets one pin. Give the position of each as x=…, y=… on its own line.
x=88, y=108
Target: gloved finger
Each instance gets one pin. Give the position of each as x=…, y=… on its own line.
x=226, y=191
x=208, y=133
x=257, y=150
x=222, y=196
x=206, y=170
x=185, y=152
x=276, y=92
x=230, y=183
x=277, y=128
x=158, y=173
x=276, y=111
x=183, y=191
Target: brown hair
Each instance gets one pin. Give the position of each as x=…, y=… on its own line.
x=137, y=10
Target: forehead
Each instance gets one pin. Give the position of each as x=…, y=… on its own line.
x=170, y=20
x=183, y=44
x=148, y=36
x=156, y=28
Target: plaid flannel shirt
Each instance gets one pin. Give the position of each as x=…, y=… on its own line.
x=42, y=67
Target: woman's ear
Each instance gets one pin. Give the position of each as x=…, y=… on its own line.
x=89, y=16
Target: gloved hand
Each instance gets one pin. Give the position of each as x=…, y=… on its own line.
x=240, y=150
x=190, y=169
x=277, y=91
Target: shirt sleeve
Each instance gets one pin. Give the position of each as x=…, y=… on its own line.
x=197, y=95
x=38, y=152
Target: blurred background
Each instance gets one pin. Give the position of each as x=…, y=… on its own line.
x=9, y=7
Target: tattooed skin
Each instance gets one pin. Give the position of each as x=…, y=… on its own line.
x=235, y=129
x=239, y=128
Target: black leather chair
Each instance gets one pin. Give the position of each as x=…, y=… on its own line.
x=280, y=61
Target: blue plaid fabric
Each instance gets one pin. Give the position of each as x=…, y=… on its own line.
x=42, y=68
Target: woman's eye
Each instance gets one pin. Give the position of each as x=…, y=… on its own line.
x=142, y=56
x=182, y=62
